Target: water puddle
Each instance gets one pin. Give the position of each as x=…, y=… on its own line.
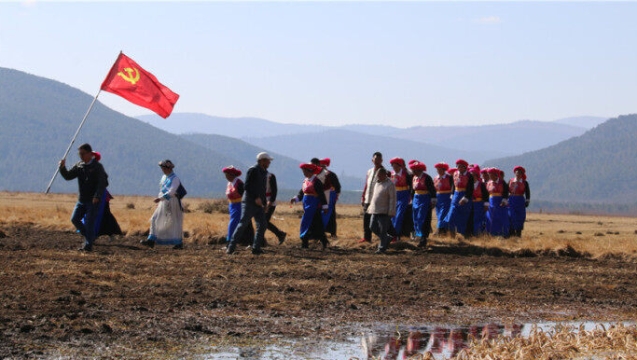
x=393, y=342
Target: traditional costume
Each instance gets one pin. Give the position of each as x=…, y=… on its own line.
x=480, y=203
x=424, y=191
x=519, y=198
x=105, y=222
x=461, y=203
x=497, y=215
x=402, y=183
x=444, y=190
x=234, y=193
x=334, y=185
x=314, y=202
x=166, y=224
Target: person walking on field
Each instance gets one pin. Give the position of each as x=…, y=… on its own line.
x=382, y=207
x=423, y=200
x=92, y=181
x=234, y=193
x=402, y=182
x=253, y=204
x=314, y=205
x=368, y=190
x=519, y=198
x=497, y=215
x=480, y=205
x=331, y=181
x=461, y=203
x=271, y=191
x=443, y=182
x=167, y=222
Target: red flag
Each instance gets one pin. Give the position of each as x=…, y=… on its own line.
x=130, y=81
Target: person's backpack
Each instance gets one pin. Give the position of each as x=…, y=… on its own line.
x=181, y=191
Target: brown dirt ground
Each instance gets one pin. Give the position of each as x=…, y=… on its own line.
x=124, y=300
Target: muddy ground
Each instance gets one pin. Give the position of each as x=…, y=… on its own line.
x=124, y=300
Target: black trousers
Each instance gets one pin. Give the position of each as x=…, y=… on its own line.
x=268, y=215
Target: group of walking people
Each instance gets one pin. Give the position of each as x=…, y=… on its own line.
x=467, y=200
x=256, y=198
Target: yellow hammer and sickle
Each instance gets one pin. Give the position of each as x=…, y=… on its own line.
x=132, y=75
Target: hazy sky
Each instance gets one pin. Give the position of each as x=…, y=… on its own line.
x=332, y=63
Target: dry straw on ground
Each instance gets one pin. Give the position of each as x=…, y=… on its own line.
x=207, y=219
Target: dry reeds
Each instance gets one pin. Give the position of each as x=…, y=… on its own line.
x=562, y=342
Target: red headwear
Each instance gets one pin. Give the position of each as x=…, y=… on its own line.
x=475, y=170
x=325, y=162
x=523, y=170
x=494, y=171
x=442, y=165
x=311, y=167
x=461, y=162
x=97, y=156
x=451, y=171
x=417, y=165
x=398, y=161
x=231, y=170
x=484, y=171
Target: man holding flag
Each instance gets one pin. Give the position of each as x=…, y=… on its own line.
x=130, y=81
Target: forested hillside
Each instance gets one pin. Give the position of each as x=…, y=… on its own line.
x=598, y=166
x=38, y=118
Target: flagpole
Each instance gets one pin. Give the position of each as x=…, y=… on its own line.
x=73, y=140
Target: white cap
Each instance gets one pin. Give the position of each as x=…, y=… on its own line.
x=264, y=155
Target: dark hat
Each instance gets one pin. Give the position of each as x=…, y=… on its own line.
x=167, y=164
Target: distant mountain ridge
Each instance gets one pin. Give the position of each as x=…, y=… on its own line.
x=486, y=140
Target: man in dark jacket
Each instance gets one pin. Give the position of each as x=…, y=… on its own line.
x=92, y=182
x=253, y=204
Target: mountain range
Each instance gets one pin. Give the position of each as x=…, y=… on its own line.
x=38, y=117
x=583, y=164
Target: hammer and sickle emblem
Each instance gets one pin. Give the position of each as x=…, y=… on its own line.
x=132, y=75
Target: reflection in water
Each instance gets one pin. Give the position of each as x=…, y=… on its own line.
x=428, y=341
x=441, y=342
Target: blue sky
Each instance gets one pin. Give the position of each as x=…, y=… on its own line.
x=333, y=63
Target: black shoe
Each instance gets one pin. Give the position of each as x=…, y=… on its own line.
x=257, y=251
x=85, y=249
x=324, y=242
x=422, y=243
x=230, y=250
x=282, y=237
x=178, y=247
x=149, y=243
x=380, y=251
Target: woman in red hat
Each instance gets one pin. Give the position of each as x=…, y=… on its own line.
x=424, y=192
x=519, y=198
x=314, y=204
x=480, y=203
x=402, y=182
x=497, y=215
x=461, y=202
x=332, y=188
x=443, y=182
x=234, y=193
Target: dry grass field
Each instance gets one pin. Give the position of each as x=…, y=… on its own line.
x=207, y=219
x=126, y=301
